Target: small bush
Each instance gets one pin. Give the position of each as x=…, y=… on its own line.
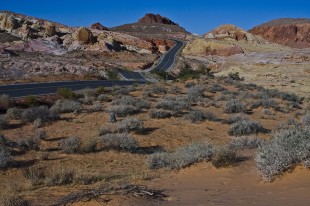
x=160, y=160
x=130, y=124
x=71, y=145
x=104, y=98
x=3, y=123
x=234, y=106
x=216, y=88
x=266, y=103
x=160, y=114
x=30, y=143
x=236, y=118
x=66, y=106
x=42, y=112
x=123, y=111
x=211, y=117
x=5, y=157
x=224, y=157
x=89, y=146
x=245, y=127
x=175, y=90
x=196, y=116
x=247, y=142
x=31, y=101
x=119, y=142
x=196, y=93
x=66, y=93
x=36, y=174
x=283, y=151
x=173, y=104
x=131, y=101
x=14, y=113
x=157, y=89
x=5, y=101
x=183, y=157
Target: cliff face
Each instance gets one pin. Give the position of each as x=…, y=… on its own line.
x=289, y=32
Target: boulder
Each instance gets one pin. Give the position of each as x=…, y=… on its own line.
x=84, y=36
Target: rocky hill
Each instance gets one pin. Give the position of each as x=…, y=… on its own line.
x=152, y=25
x=43, y=47
x=290, y=32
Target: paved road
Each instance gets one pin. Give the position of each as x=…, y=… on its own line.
x=166, y=62
x=21, y=90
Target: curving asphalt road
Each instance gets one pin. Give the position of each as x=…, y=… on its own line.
x=21, y=90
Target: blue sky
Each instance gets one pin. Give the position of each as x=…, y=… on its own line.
x=194, y=15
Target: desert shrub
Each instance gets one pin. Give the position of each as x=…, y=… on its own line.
x=89, y=146
x=189, y=84
x=31, y=101
x=113, y=74
x=14, y=113
x=175, y=90
x=130, y=124
x=131, y=101
x=3, y=140
x=123, y=110
x=283, y=151
x=100, y=90
x=224, y=157
x=29, y=143
x=119, y=142
x=96, y=107
x=182, y=157
x=66, y=93
x=41, y=134
x=305, y=120
x=5, y=101
x=159, y=160
x=246, y=142
x=104, y=98
x=196, y=93
x=38, y=123
x=3, y=122
x=36, y=174
x=157, y=89
x=245, y=127
x=211, y=117
x=160, y=114
x=173, y=104
x=42, y=112
x=188, y=73
x=190, y=154
x=196, y=116
x=216, y=88
x=266, y=103
x=66, y=106
x=236, y=118
x=234, y=106
x=71, y=145
x=5, y=156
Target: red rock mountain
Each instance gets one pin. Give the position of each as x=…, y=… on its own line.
x=289, y=32
x=98, y=26
x=155, y=18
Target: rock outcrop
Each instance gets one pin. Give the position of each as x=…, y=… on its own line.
x=289, y=32
x=98, y=26
x=155, y=19
x=202, y=47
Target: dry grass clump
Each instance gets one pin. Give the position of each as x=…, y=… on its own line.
x=123, y=111
x=224, y=157
x=71, y=145
x=131, y=101
x=173, y=104
x=196, y=116
x=245, y=142
x=128, y=125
